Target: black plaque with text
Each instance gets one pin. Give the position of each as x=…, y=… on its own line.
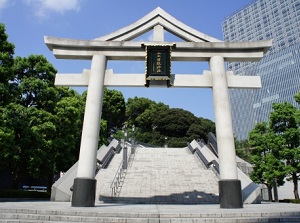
x=158, y=64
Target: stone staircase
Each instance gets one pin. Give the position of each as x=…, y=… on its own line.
x=166, y=176
x=105, y=176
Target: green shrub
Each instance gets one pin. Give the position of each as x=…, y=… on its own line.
x=294, y=201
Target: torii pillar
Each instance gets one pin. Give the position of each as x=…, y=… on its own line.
x=229, y=186
x=84, y=189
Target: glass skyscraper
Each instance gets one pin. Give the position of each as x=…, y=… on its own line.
x=279, y=70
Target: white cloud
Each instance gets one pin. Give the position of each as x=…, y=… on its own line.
x=3, y=4
x=43, y=7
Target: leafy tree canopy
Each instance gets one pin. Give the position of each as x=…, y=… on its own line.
x=113, y=109
x=243, y=149
x=275, y=149
x=157, y=124
x=136, y=107
x=6, y=63
x=264, y=157
x=284, y=123
x=40, y=124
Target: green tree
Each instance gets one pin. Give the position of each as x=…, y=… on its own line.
x=243, y=149
x=6, y=63
x=135, y=107
x=174, y=122
x=34, y=77
x=140, y=113
x=200, y=129
x=103, y=133
x=145, y=120
x=68, y=122
x=284, y=123
x=157, y=124
x=6, y=74
x=40, y=129
x=267, y=165
x=181, y=126
x=113, y=109
x=297, y=97
x=13, y=123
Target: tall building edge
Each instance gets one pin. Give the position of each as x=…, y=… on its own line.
x=279, y=70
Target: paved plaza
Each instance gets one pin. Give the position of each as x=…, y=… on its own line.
x=63, y=212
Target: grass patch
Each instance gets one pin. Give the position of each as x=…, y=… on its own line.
x=12, y=193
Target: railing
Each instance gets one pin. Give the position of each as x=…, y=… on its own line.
x=121, y=172
x=190, y=148
x=202, y=143
x=131, y=157
x=35, y=188
x=202, y=157
x=213, y=164
x=117, y=180
x=212, y=141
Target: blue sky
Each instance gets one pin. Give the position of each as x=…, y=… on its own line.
x=28, y=21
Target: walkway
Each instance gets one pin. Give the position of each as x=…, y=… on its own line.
x=63, y=212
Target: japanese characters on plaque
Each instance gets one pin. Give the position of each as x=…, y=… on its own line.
x=158, y=63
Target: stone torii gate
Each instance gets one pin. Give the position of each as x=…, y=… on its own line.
x=197, y=47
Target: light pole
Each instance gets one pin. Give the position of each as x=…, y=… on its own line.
x=132, y=141
x=124, y=152
x=166, y=142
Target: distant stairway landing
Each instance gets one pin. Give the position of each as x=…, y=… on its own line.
x=167, y=175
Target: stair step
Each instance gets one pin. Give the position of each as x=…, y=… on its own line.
x=166, y=175
x=150, y=214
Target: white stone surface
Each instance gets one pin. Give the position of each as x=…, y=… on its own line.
x=45, y=211
x=250, y=190
x=158, y=33
x=91, y=123
x=223, y=120
x=169, y=175
x=158, y=16
x=138, y=80
x=184, y=51
x=61, y=188
x=287, y=190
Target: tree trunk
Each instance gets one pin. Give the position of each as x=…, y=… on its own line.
x=270, y=193
x=295, y=181
x=275, y=190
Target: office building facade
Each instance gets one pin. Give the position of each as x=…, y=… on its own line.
x=279, y=70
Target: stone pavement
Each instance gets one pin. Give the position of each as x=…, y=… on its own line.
x=45, y=211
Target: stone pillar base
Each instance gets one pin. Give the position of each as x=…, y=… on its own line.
x=230, y=192
x=84, y=192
